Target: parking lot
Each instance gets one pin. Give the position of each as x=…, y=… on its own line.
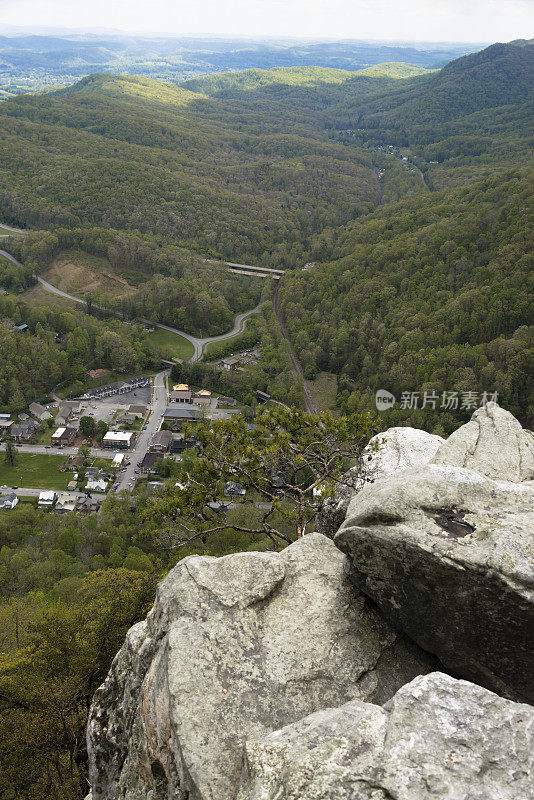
x=102, y=411
x=136, y=396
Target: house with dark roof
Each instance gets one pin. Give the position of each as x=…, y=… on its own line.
x=233, y=489
x=24, y=430
x=39, y=412
x=181, y=411
x=148, y=463
x=88, y=505
x=180, y=443
x=138, y=409
x=161, y=442
x=231, y=363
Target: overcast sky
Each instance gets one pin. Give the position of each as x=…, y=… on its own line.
x=416, y=20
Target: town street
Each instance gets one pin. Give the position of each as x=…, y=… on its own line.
x=78, y=495
x=157, y=408
x=40, y=449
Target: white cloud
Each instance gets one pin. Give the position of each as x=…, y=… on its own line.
x=430, y=20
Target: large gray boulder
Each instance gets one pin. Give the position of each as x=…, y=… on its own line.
x=387, y=453
x=493, y=443
x=448, y=556
x=437, y=739
x=234, y=648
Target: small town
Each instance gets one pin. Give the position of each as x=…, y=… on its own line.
x=113, y=438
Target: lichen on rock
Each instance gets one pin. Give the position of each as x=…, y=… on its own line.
x=437, y=738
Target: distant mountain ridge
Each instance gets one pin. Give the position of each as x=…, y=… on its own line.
x=251, y=79
x=501, y=74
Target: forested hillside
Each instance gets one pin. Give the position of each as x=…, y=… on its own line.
x=168, y=284
x=297, y=164
x=291, y=167
x=33, y=363
x=461, y=123
x=434, y=294
x=133, y=154
x=499, y=75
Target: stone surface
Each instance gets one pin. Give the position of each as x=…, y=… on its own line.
x=493, y=443
x=235, y=648
x=437, y=739
x=448, y=556
x=389, y=452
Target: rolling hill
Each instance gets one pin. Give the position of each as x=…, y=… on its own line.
x=460, y=124
x=230, y=179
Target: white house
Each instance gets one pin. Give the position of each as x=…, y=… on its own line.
x=47, y=499
x=96, y=485
x=119, y=439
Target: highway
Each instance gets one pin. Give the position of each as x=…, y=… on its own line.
x=239, y=327
x=10, y=228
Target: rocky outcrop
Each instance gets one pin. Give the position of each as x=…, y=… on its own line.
x=437, y=739
x=448, y=556
x=392, y=451
x=493, y=443
x=233, y=649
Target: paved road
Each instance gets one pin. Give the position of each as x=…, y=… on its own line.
x=11, y=228
x=157, y=406
x=239, y=327
x=421, y=175
x=10, y=257
x=198, y=344
x=128, y=477
x=40, y=449
x=20, y=492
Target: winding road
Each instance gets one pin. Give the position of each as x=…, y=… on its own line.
x=201, y=344
x=9, y=228
x=198, y=344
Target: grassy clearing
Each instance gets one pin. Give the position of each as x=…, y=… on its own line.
x=102, y=463
x=34, y=472
x=38, y=296
x=324, y=390
x=172, y=344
